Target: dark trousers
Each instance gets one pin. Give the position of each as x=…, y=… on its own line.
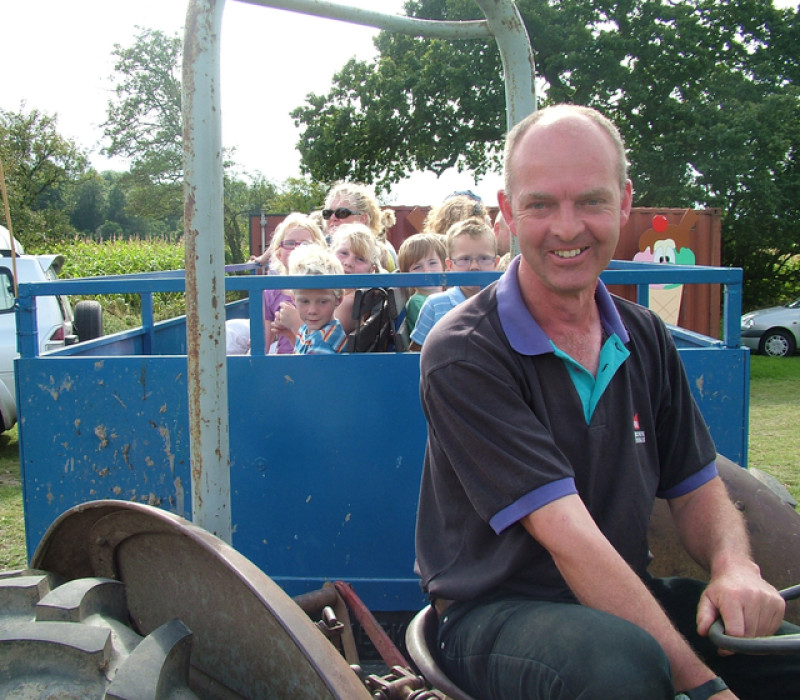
x=505, y=646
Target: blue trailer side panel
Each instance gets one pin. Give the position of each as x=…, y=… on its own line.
x=102, y=427
x=325, y=476
x=326, y=452
x=326, y=456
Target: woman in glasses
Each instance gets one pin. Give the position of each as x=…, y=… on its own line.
x=281, y=321
x=354, y=203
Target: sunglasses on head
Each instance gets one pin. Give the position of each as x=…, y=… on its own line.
x=340, y=213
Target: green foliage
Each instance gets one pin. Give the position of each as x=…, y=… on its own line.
x=296, y=194
x=40, y=168
x=12, y=522
x=143, y=121
x=774, y=442
x=427, y=105
x=87, y=258
x=705, y=93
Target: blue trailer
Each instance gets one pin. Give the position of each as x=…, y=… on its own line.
x=325, y=451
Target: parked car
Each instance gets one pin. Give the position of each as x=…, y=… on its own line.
x=774, y=331
x=56, y=324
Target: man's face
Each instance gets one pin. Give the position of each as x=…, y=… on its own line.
x=566, y=205
x=315, y=307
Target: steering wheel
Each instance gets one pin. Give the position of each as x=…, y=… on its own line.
x=778, y=644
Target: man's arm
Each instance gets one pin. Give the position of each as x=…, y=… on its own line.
x=601, y=579
x=714, y=534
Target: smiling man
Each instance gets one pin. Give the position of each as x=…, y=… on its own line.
x=557, y=414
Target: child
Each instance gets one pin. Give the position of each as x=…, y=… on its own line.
x=471, y=245
x=294, y=232
x=359, y=253
x=321, y=333
x=422, y=252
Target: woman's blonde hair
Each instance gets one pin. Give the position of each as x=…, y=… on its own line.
x=453, y=209
x=292, y=221
x=363, y=201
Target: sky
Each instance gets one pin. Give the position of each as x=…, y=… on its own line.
x=58, y=60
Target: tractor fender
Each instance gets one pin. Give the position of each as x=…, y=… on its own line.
x=773, y=526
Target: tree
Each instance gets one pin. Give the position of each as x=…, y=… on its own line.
x=89, y=206
x=143, y=121
x=705, y=94
x=40, y=168
x=296, y=194
x=144, y=124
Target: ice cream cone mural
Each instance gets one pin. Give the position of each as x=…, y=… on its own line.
x=667, y=244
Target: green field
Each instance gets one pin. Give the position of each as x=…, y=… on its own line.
x=774, y=447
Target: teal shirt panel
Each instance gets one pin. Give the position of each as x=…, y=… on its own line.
x=590, y=388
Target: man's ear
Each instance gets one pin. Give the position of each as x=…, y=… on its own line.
x=626, y=203
x=505, y=206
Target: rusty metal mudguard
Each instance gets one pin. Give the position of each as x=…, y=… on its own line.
x=774, y=528
x=249, y=635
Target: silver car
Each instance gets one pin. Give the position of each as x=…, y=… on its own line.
x=774, y=331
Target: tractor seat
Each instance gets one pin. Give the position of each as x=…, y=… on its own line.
x=421, y=644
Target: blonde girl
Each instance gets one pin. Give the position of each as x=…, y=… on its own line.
x=294, y=231
x=359, y=252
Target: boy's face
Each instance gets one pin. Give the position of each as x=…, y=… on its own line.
x=429, y=263
x=471, y=254
x=316, y=306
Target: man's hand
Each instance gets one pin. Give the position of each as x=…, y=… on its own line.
x=714, y=533
x=748, y=605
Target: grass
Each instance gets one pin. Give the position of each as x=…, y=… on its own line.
x=774, y=403
x=774, y=447
x=12, y=526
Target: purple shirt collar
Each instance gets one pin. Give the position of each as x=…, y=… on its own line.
x=525, y=335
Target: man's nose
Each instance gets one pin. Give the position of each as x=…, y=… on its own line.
x=567, y=224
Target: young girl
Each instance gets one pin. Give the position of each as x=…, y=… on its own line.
x=359, y=252
x=422, y=252
x=294, y=231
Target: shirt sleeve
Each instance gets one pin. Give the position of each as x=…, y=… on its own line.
x=492, y=440
x=425, y=321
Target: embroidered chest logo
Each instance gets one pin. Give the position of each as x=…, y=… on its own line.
x=638, y=433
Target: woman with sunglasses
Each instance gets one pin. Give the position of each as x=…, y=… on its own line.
x=351, y=203
x=281, y=321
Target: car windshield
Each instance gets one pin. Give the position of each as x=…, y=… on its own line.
x=793, y=304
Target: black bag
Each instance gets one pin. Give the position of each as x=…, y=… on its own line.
x=379, y=314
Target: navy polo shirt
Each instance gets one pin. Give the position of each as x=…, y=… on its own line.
x=514, y=423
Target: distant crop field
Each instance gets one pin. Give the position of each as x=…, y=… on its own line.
x=87, y=258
